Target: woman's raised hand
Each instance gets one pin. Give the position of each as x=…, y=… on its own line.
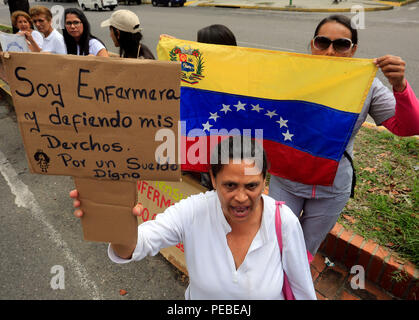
x=393, y=68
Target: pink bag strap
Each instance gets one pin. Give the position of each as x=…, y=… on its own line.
x=279, y=229
x=286, y=287
x=278, y=223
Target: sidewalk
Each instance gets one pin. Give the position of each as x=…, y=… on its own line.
x=301, y=5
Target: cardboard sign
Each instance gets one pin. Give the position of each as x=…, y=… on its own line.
x=107, y=207
x=13, y=42
x=155, y=197
x=98, y=118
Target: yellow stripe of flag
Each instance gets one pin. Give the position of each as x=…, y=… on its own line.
x=339, y=83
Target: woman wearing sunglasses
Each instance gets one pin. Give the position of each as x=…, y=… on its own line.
x=397, y=110
x=77, y=37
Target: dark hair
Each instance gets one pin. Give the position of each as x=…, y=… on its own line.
x=83, y=42
x=343, y=20
x=128, y=45
x=217, y=34
x=238, y=147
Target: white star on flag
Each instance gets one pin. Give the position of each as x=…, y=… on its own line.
x=282, y=122
x=214, y=116
x=256, y=108
x=207, y=126
x=225, y=108
x=287, y=136
x=240, y=106
x=270, y=114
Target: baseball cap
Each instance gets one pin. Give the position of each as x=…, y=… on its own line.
x=124, y=20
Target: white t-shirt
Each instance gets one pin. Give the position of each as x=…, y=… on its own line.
x=94, y=47
x=200, y=224
x=54, y=43
x=37, y=36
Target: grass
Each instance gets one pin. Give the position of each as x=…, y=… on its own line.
x=385, y=207
x=6, y=29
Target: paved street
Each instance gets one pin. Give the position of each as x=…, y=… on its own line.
x=38, y=230
x=386, y=32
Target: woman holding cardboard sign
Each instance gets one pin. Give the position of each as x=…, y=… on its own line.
x=23, y=22
x=229, y=234
x=53, y=40
x=398, y=111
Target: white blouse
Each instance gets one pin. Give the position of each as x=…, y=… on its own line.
x=38, y=38
x=54, y=43
x=200, y=224
x=94, y=47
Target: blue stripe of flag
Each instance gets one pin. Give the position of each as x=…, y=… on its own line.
x=313, y=128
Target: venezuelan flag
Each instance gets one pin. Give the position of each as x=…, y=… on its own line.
x=306, y=105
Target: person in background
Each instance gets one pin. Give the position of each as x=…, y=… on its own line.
x=397, y=110
x=23, y=22
x=125, y=31
x=53, y=40
x=17, y=5
x=229, y=235
x=77, y=36
x=217, y=34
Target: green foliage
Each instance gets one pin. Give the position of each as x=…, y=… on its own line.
x=385, y=207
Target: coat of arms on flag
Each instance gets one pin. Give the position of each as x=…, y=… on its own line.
x=192, y=63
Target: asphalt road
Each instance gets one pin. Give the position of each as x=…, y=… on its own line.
x=386, y=32
x=38, y=231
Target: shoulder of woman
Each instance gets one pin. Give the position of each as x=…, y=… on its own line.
x=287, y=216
x=195, y=199
x=93, y=42
x=379, y=91
x=203, y=197
x=188, y=208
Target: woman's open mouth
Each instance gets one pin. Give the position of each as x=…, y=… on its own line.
x=239, y=211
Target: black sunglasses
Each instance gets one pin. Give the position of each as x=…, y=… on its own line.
x=340, y=45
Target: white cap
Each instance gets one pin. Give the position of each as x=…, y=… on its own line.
x=124, y=20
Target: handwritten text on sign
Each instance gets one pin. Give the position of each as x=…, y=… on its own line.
x=96, y=117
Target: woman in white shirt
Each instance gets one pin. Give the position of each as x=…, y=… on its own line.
x=77, y=35
x=22, y=21
x=228, y=234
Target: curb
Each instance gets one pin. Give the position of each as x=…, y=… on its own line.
x=379, y=263
x=396, y=4
x=296, y=9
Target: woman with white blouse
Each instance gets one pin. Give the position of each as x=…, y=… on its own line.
x=78, y=39
x=228, y=234
x=22, y=21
